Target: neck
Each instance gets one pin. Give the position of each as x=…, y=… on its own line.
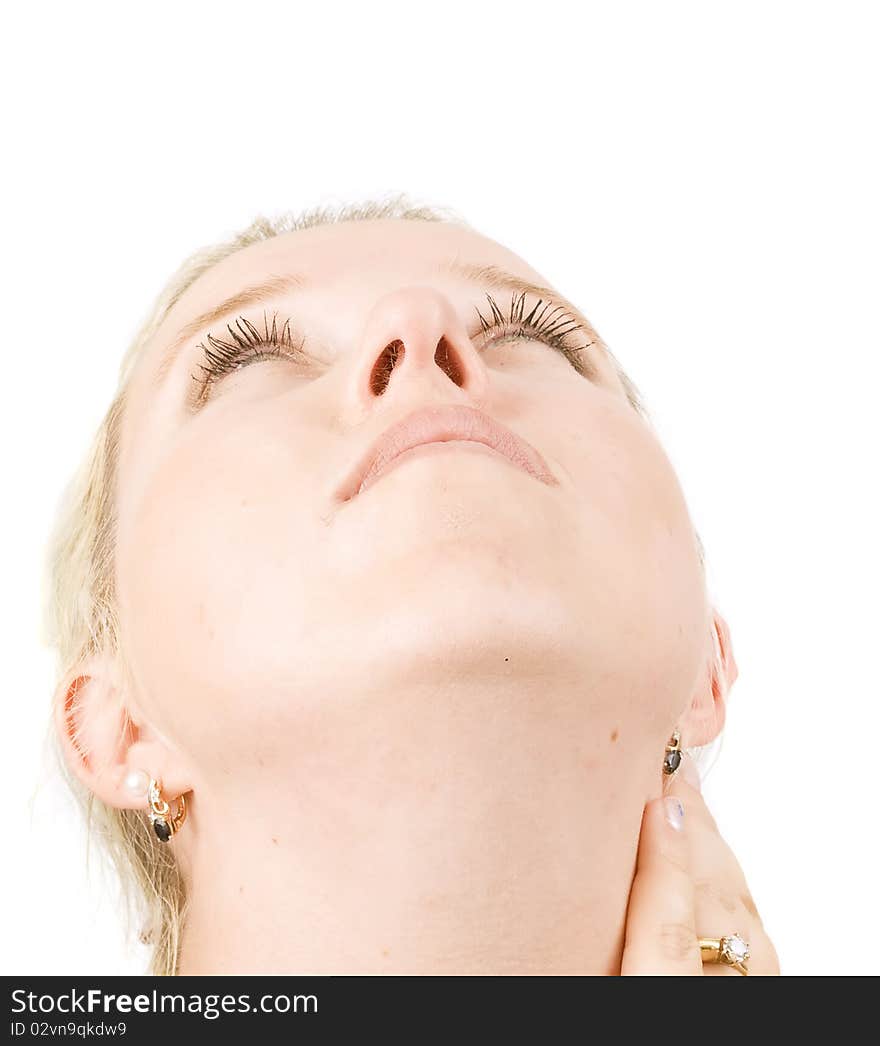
x=476, y=843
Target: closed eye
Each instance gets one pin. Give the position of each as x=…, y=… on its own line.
x=545, y=321
x=245, y=344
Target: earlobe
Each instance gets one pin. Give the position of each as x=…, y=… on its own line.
x=704, y=719
x=102, y=746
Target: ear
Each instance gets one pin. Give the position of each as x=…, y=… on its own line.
x=703, y=720
x=104, y=741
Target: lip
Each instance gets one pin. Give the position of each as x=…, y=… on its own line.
x=442, y=425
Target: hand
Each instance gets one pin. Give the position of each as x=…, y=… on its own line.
x=688, y=884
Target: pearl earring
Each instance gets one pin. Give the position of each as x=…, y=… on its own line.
x=136, y=783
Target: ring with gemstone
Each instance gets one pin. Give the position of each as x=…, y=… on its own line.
x=729, y=951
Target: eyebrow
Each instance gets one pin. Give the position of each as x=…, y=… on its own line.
x=275, y=286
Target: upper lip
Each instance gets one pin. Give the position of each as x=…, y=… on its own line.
x=438, y=425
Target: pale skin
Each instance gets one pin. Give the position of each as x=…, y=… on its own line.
x=417, y=732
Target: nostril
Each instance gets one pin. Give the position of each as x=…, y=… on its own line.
x=384, y=365
x=448, y=362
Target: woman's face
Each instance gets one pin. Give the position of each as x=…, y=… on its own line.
x=263, y=616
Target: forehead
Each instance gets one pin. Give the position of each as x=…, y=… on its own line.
x=363, y=258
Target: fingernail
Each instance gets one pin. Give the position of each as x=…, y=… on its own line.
x=674, y=812
x=690, y=773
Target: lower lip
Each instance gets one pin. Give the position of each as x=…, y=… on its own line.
x=425, y=449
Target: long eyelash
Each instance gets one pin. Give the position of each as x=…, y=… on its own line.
x=547, y=322
x=246, y=342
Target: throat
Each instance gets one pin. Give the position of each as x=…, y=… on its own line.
x=525, y=881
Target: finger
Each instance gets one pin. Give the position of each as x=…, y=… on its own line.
x=723, y=902
x=661, y=936
x=709, y=855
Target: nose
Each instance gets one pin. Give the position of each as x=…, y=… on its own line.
x=414, y=337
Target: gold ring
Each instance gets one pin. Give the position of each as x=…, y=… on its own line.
x=728, y=951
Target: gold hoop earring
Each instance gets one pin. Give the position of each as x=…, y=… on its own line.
x=672, y=759
x=164, y=824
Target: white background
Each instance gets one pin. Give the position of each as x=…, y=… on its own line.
x=702, y=179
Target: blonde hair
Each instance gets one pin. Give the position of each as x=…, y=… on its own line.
x=80, y=605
